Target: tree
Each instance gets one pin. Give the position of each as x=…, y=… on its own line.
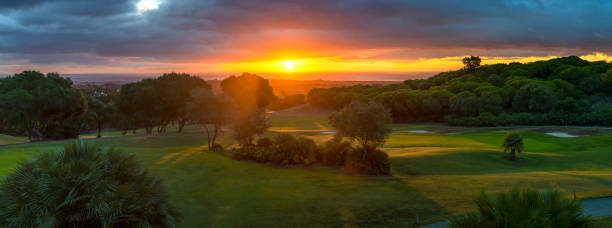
x=471, y=63
x=247, y=125
x=139, y=103
x=249, y=91
x=84, y=186
x=41, y=106
x=366, y=123
x=98, y=113
x=174, y=91
x=513, y=143
x=606, y=81
x=465, y=104
x=286, y=102
x=524, y=208
x=207, y=109
x=534, y=97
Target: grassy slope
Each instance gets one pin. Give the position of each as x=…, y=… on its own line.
x=434, y=175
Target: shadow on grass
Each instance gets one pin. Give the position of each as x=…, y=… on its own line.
x=214, y=190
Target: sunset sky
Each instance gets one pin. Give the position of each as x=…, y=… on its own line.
x=293, y=38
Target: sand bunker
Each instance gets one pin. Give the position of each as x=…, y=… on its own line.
x=561, y=134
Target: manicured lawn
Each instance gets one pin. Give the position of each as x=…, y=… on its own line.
x=7, y=139
x=435, y=175
x=603, y=222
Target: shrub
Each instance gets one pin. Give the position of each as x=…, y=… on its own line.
x=283, y=149
x=264, y=142
x=374, y=162
x=252, y=153
x=84, y=186
x=334, y=152
x=288, y=149
x=524, y=208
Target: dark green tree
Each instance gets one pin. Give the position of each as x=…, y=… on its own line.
x=513, y=143
x=365, y=123
x=41, y=106
x=606, y=81
x=98, y=113
x=534, y=97
x=139, y=103
x=84, y=186
x=174, y=91
x=212, y=112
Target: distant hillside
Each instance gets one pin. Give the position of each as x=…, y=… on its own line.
x=562, y=91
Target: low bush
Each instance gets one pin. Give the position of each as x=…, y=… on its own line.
x=291, y=150
x=370, y=162
x=286, y=149
x=264, y=142
x=334, y=152
x=283, y=149
x=524, y=208
x=253, y=153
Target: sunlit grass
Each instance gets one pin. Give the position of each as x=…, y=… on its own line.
x=7, y=139
x=435, y=175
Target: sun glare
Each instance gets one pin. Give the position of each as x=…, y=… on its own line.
x=288, y=64
x=146, y=5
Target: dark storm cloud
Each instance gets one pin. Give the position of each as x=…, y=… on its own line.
x=199, y=29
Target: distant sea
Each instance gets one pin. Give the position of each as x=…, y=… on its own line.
x=127, y=78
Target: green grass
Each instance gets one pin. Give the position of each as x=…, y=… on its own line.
x=435, y=175
x=603, y=222
x=7, y=139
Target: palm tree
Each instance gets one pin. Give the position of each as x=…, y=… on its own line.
x=524, y=208
x=513, y=143
x=84, y=186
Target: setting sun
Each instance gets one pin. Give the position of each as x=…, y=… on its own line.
x=288, y=64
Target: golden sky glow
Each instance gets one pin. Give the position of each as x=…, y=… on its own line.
x=339, y=64
x=289, y=65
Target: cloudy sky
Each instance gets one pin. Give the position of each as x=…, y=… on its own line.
x=293, y=37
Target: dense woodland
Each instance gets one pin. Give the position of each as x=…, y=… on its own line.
x=562, y=91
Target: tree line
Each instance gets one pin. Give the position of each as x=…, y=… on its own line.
x=51, y=107
x=561, y=91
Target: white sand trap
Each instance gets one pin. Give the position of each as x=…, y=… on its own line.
x=328, y=132
x=561, y=135
x=419, y=131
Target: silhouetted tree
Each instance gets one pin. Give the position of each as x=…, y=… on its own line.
x=249, y=91
x=247, y=125
x=471, y=63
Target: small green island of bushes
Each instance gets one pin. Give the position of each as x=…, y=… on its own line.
x=360, y=123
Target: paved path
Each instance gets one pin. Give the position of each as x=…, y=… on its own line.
x=597, y=208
